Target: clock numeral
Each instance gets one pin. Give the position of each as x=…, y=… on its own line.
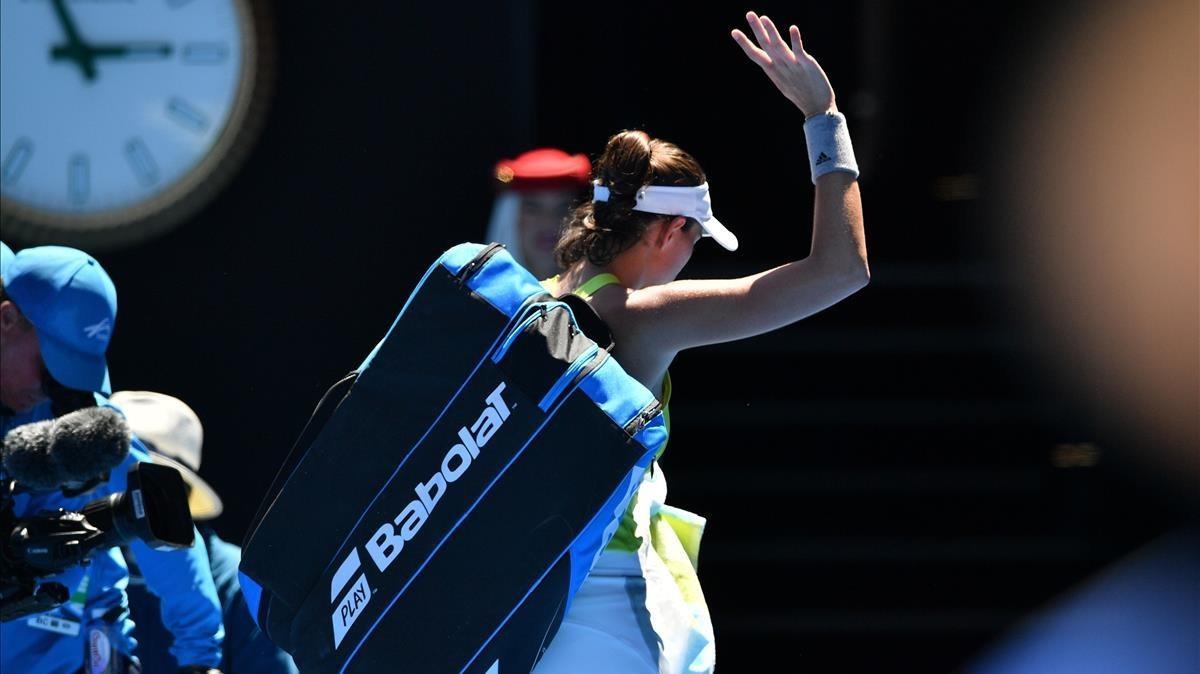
x=78, y=178
x=16, y=160
x=143, y=165
x=183, y=112
x=205, y=53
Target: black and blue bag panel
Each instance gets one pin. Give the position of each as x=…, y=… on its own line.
x=445, y=504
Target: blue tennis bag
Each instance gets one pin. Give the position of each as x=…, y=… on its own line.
x=448, y=498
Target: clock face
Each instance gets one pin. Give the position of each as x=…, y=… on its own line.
x=111, y=111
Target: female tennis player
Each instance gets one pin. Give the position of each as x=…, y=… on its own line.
x=641, y=609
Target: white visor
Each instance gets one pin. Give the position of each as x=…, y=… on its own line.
x=690, y=202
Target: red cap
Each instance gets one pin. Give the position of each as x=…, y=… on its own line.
x=544, y=168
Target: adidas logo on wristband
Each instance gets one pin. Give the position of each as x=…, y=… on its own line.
x=829, y=147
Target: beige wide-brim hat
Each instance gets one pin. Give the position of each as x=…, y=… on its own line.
x=173, y=433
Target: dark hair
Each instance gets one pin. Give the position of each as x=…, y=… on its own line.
x=4, y=297
x=599, y=231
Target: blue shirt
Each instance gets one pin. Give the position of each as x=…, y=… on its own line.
x=55, y=642
x=247, y=649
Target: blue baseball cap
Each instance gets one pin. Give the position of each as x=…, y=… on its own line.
x=6, y=255
x=71, y=301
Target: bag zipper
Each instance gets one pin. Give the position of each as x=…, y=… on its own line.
x=544, y=308
x=567, y=377
x=642, y=418
x=479, y=260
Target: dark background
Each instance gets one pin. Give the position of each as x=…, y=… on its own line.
x=889, y=485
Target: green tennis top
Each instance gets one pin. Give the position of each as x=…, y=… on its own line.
x=625, y=539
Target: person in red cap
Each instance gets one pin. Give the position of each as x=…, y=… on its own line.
x=537, y=190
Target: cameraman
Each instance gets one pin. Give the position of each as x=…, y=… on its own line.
x=57, y=309
x=172, y=432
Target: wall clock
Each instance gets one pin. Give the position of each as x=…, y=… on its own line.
x=119, y=118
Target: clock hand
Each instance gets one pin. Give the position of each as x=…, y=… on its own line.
x=132, y=51
x=75, y=48
x=66, y=22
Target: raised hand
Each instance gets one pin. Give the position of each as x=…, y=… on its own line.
x=797, y=74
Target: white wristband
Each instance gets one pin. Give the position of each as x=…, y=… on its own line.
x=829, y=147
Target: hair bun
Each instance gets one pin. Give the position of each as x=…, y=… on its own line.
x=598, y=231
x=624, y=167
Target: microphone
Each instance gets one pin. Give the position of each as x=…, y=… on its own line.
x=75, y=447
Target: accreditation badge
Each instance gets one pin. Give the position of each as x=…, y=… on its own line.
x=50, y=622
